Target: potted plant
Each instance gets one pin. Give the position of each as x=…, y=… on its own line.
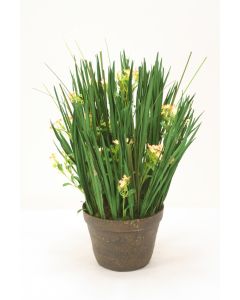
x=121, y=137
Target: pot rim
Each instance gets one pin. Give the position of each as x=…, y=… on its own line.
x=124, y=225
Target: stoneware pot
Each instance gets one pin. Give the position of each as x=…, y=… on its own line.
x=123, y=245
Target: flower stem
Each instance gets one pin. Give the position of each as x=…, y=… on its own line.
x=123, y=206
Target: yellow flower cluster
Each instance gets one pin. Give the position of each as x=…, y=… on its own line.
x=156, y=150
x=55, y=162
x=125, y=74
x=53, y=157
x=168, y=111
x=74, y=98
x=154, y=153
x=115, y=142
x=59, y=124
x=123, y=185
x=66, y=168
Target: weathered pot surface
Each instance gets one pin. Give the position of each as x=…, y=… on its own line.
x=123, y=245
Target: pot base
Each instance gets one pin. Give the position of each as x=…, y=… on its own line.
x=123, y=269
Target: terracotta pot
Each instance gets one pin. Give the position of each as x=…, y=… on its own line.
x=123, y=245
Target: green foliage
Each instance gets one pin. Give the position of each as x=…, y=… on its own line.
x=122, y=136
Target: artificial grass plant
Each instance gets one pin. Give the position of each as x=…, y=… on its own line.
x=122, y=135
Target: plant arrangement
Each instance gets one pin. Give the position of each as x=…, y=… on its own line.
x=121, y=135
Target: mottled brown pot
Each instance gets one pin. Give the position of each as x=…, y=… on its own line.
x=123, y=245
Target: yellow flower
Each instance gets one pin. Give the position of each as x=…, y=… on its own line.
x=54, y=160
x=127, y=72
x=74, y=98
x=135, y=75
x=116, y=142
x=124, y=75
x=123, y=185
x=58, y=124
x=155, y=150
x=154, y=154
x=53, y=156
x=119, y=76
x=168, y=110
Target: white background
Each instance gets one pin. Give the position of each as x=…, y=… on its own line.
x=230, y=161
x=174, y=28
